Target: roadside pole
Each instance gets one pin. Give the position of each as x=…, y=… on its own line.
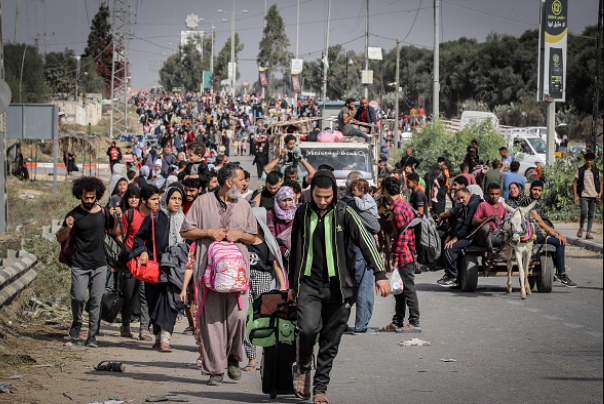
x=551, y=132
x=3, y=173
x=396, y=112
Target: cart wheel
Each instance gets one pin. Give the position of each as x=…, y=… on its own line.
x=545, y=281
x=273, y=395
x=532, y=282
x=469, y=272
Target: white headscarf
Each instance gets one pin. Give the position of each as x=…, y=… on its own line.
x=155, y=171
x=175, y=218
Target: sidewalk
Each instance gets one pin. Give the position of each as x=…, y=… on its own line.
x=570, y=232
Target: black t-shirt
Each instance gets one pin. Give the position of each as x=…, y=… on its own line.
x=419, y=200
x=267, y=200
x=313, y=135
x=88, y=237
x=261, y=258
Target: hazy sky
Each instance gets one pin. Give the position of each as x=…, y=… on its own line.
x=158, y=24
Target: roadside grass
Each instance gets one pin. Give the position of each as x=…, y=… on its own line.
x=32, y=205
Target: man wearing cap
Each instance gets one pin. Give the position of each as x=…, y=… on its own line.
x=321, y=279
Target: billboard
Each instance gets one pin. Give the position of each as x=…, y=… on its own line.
x=553, y=34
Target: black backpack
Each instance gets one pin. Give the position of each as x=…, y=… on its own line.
x=117, y=253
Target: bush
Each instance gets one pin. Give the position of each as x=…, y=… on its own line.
x=54, y=278
x=558, y=196
x=436, y=141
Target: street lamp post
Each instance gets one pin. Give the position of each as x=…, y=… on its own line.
x=233, y=65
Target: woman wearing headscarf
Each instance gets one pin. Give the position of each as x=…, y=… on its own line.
x=281, y=219
x=167, y=222
x=117, y=174
x=156, y=178
x=141, y=180
x=517, y=196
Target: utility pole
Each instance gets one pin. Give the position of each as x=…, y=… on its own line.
x=77, y=77
x=16, y=22
x=367, y=48
x=326, y=57
x=597, y=78
x=397, y=86
x=119, y=66
x=212, y=63
x=3, y=166
x=234, y=77
x=436, y=89
x=263, y=28
x=295, y=106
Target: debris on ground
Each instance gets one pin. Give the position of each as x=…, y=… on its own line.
x=415, y=342
x=448, y=360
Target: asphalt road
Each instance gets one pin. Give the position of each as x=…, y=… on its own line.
x=547, y=349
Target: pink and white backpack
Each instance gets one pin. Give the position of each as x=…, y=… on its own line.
x=226, y=271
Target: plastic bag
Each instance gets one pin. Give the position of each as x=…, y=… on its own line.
x=396, y=283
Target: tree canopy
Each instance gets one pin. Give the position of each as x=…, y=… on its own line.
x=24, y=73
x=100, y=44
x=273, y=46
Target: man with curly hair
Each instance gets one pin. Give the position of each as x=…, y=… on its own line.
x=86, y=225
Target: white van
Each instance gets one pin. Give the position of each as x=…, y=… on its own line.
x=473, y=116
x=532, y=149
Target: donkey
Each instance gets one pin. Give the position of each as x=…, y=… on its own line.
x=520, y=246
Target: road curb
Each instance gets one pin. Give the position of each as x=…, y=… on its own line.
x=588, y=245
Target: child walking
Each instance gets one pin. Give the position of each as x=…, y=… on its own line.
x=265, y=267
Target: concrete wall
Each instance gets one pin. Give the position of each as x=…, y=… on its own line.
x=85, y=111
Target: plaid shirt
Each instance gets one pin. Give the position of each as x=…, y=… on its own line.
x=403, y=248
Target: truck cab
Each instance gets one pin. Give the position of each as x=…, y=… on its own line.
x=343, y=157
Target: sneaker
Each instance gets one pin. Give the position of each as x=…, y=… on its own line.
x=215, y=380
x=565, y=280
x=368, y=330
x=74, y=331
x=91, y=342
x=233, y=370
x=410, y=329
x=447, y=282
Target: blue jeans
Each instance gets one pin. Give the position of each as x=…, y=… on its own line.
x=364, y=291
x=359, y=133
x=451, y=258
x=560, y=251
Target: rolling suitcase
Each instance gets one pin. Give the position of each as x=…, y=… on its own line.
x=271, y=325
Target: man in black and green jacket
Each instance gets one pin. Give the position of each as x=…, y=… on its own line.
x=321, y=278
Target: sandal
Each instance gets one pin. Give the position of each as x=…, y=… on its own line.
x=199, y=363
x=164, y=347
x=145, y=335
x=107, y=366
x=390, y=328
x=249, y=367
x=410, y=329
x=126, y=332
x=320, y=399
x=301, y=383
x=189, y=330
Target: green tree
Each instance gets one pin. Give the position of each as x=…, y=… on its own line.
x=90, y=81
x=273, y=46
x=100, y=44
x=60, y=70
x=185, y=68
x=221, y=64
x=24, y=72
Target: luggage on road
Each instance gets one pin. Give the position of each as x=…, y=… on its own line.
x=271, y=324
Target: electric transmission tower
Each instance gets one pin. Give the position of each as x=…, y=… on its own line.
x=119, y=67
